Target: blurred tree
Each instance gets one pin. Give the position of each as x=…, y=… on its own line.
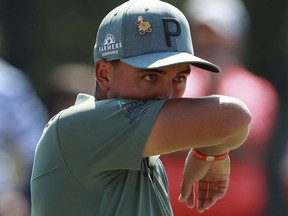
x=278, y=204
x=266, y=54
x=16, y=18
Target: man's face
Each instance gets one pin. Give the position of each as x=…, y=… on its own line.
x=147, y=84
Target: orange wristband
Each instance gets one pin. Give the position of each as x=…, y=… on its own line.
x=204, y=157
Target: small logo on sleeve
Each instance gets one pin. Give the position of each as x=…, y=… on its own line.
x=133, y=109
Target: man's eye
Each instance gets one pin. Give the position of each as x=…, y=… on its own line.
x=150, y=77
x=180, y=79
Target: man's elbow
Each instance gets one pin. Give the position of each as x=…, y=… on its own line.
x=240, y=124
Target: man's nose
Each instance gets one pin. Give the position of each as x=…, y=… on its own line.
x=165, y=92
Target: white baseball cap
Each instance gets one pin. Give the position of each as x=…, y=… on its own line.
x=228, y=18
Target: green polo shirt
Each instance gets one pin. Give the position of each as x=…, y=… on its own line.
x=89, y=162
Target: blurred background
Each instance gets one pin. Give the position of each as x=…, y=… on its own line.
x=46, y=59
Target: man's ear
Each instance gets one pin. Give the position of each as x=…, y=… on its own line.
x=101, y=72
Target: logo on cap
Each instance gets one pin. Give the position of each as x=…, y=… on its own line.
x=110, y=47
x=109, y=39
x=143, y=26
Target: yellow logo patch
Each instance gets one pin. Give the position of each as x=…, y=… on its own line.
x=143, y=26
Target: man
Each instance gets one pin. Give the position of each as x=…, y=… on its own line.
x=100, y=157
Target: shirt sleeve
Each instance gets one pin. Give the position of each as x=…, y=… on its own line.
x=100, y=138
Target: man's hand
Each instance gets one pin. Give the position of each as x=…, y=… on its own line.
x=212, y=179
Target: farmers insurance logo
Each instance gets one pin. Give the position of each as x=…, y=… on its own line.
x=110, y=47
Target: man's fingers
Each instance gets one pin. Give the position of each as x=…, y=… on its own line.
x=187, y=190
x=191, y=201
x=202, y=195
x=209, y=193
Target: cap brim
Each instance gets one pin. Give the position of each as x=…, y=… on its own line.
x=156, y=60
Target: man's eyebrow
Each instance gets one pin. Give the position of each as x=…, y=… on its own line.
x=161, y=71
x=154, y=70
x=186, y=71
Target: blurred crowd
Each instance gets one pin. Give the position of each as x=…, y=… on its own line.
x=259, y=177
x=22, y=119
